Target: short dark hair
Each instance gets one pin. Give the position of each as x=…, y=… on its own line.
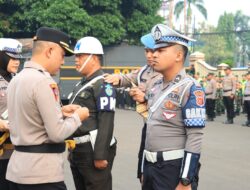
x=210, y=74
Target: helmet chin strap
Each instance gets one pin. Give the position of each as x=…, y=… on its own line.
x=85, y=63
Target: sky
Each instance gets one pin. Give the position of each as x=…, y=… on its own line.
x=215, y=8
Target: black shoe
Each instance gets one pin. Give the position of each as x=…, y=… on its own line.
x=246, y=124
x=230, y=121
x=210, y=119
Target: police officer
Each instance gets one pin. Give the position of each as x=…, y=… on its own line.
x=238, y=97
x=92, y=159
x=246, y=99
x=210, y=91
x=176, y=117
x=38, y=125
x=219, y=106
x=10, y=53
x=144, y=79
x=229, y=90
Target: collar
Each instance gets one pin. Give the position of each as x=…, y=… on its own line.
x=178, y=77
x=99, y=72
x=34, y=65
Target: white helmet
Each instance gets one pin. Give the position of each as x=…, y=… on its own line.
x=11, y=47
x=89, y=45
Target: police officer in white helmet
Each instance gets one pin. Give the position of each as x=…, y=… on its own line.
x=92, y=159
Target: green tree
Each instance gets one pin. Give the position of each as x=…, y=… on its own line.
x=226, y=27
x=111, y=21
x=76, y=21
x=139, y=17
x=180, y=7
x=214, y=46
x=242, y=27
x=106, y=20
x=235, y=30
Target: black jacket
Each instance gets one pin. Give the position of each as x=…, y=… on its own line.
x=100, y=99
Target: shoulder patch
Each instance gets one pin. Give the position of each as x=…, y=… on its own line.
x=199, y=96
x=106, y=100
x=55, y=91
x=194, y=112
x=108, y=89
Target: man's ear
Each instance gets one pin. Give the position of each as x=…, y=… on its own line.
x=179, y=55
x=48, y=52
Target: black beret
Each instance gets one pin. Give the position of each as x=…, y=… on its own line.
x=56, y=36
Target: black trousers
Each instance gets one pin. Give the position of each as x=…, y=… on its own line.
x=165, y=175
x=140, y=154
x=4, y=184
x=45, y=186
x=161, y=175
x=86, y=176
x=247, y=108
x=210, y=107
x=229, y=105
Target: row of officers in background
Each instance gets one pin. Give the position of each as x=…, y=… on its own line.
x=227, y=95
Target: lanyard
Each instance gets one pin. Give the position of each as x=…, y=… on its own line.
x=154, y=107
x=90, y=83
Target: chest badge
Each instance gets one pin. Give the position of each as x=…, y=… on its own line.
x=176, y=90
x=82, y=94
x=168, y=115
x=170, y=105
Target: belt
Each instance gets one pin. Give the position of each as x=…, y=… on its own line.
x=227, y=90
x=82, y=139
x=208, y=93
x=163, y=156
x=247, y=95
x=87, y=138
x=42, y=148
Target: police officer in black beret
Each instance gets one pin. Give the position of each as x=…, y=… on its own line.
x=38, y=123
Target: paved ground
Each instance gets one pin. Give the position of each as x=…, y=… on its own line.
x=225, y=158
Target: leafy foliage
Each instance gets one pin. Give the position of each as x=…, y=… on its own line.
x=214, y=46
x=226, y=23
x=140, y=16
x=112, y=21
x=180, y=7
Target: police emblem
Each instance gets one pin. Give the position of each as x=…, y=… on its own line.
x=170, y=105
x=19, y=48
x=82, y=94
x=157, y=34
x=177, y=78
x=108, y=89
x=199, y=96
